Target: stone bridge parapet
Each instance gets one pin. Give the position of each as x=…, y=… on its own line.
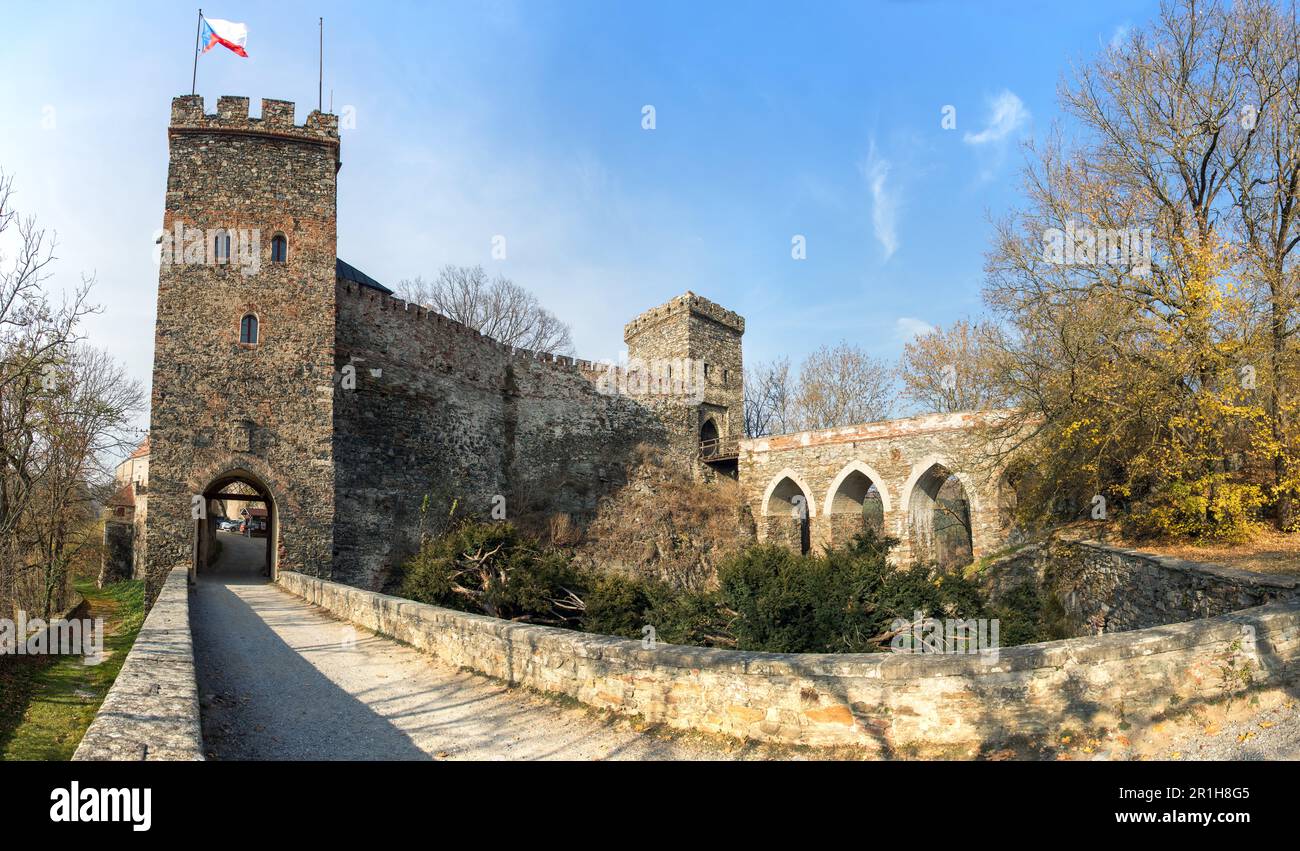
x=152, y=710
x=890, y=704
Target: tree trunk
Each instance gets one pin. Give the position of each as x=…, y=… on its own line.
x=1281, y=468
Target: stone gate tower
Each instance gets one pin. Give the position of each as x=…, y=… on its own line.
x=243, y=362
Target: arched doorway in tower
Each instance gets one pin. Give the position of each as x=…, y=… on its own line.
x=854, y=505
x=786, y=515
x=939, y=519
x=708, y=436
x=720, y=454
x=236, y=539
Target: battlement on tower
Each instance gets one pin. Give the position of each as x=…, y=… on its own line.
x=686, y=303
x=232, y=117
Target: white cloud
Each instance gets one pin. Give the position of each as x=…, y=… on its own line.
x=907, y=327
x=1007, y=115
x=1120, y=35
x=884, y=201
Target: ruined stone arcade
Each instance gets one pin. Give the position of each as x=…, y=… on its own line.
x=900, y=477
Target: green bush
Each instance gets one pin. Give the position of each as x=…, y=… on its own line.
x=1025, y=616
x=623, y=605
x=618, y=605
x=841, y=602
x=490, y=568
x=768, y=598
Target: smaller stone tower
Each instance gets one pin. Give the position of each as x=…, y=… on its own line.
x=690, y=350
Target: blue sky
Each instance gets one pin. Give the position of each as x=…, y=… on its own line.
x=524, y=119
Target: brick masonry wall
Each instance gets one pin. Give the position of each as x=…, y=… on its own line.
x=891, y=704
x=219, y=406
x=894, y=454
x=1117, y=589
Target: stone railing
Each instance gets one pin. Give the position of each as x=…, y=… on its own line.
x=888, y=703
x=1109, y=588
x=152, y=710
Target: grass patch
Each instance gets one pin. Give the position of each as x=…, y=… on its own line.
x=47, y=702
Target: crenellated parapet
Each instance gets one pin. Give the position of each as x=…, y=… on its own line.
x=687, y=303
x=232, y=116
x=246, y=300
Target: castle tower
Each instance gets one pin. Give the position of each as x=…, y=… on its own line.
x=696, y=339
x=243, y=357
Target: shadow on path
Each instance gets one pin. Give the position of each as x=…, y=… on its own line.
x=280, y=678
x=262, y=698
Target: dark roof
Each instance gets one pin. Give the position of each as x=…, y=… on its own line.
x=348, y=272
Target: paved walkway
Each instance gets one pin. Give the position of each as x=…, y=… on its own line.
x=281, y=679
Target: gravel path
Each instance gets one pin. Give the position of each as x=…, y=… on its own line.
x=1269, y=730
x=280, y=679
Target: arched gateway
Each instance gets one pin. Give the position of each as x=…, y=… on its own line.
x=237, y=496
x=229, y=405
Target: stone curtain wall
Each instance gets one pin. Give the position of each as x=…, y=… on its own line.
x=217, y=405
x=1114, y=589
x=891, y=704
x=457, y=415
x=152, y=710
x=140, y=535
x=894, y=454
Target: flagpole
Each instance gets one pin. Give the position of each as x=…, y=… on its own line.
x=320, y=79
x=194, y=78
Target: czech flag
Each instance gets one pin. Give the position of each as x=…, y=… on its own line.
x=226, y=33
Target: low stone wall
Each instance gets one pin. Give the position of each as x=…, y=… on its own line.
x=152, y=710
x=1113, y=589
x=893, y=704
